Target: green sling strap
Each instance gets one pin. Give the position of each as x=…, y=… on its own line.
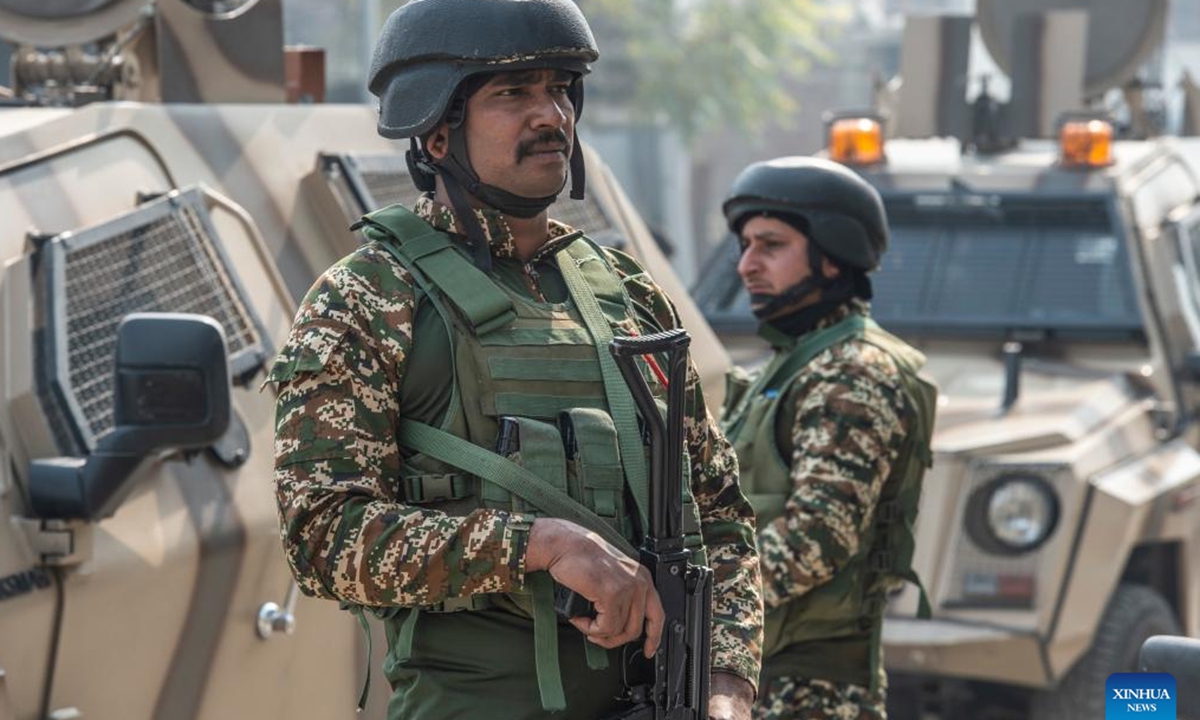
x=467, y=287
x=522, y=483
x=785, y=365
x=620, y=399
x=465, y=455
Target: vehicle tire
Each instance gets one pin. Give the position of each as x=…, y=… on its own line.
x=1134, y=613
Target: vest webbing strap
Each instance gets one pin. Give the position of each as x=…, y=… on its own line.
x=418, y=243
x=545, y=642
x=517, y=480
x=620, y=399
x=785, y=365
x=816, y=343
x=365, y=693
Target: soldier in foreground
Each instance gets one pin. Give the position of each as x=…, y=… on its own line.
x=832, y=436
x=470, y=333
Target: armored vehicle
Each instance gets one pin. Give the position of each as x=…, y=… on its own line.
x=1054, y=285
x=153, y=179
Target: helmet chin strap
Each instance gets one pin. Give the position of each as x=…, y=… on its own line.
x=764, y=305
x=481, y=252
x=457, y=164
x=460, y=179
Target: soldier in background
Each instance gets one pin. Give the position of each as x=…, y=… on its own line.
x=832, y=436
x=405, y=358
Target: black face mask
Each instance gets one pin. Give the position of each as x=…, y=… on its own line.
x=851, y=284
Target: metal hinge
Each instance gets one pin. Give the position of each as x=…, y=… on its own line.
x=56, y=543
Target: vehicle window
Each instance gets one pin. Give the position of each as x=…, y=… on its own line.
x=1049, y=266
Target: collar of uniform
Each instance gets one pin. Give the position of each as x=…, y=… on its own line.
x=853, y=306
x=495, y=227
x=783, y=337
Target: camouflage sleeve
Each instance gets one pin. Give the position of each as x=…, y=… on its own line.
x=847, y=434
x=726, y=517
x=347, y=532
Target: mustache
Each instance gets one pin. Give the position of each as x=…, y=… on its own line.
x=545, y=140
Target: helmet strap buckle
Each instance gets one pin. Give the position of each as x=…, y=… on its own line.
x=420, y=168
x=456, y=114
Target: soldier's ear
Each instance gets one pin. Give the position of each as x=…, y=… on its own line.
x=437, y=142
x=830, y=269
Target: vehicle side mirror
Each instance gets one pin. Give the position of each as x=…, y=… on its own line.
x=170, y=392
x=1180, y=657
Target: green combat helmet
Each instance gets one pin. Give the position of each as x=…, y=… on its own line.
x=432, y=54
x=842, y=213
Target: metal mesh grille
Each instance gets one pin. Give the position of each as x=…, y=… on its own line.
x=391, y=187
x=166, y=265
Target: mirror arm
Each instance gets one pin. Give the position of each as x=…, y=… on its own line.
x=75, y=488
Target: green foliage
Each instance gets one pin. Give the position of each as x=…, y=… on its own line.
x=703, y=63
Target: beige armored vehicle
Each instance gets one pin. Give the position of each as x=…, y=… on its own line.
x=1055, y=289
x=153, y=179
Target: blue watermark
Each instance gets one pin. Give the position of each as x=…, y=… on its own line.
x=1140, y=696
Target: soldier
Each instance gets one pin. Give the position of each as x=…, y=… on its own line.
x=832, y=437
x=463, y=347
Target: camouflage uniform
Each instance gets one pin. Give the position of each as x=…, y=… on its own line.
x=850, y=421
x=347, y=531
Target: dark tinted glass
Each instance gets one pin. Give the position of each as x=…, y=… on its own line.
x=1054, y=266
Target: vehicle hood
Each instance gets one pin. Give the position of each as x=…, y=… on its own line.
x=1056, y=405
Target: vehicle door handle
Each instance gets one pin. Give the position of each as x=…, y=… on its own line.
x=275, y=619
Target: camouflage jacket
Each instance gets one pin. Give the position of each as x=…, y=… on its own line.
x=849, y=422
x=347, y=531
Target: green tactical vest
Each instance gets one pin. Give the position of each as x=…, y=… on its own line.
x=579, y=451
x=833, y=631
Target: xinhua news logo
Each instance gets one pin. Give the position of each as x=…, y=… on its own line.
x=1144, y=696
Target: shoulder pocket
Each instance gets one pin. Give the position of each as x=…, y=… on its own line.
x=308, y=349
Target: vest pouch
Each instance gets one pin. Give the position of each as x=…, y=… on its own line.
x=737, y=381
x=534, y=445
x=830, y=611
x=538, y=447
x=593, y=460
x=766, y=476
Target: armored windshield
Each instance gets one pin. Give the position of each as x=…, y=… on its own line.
x=981, y=264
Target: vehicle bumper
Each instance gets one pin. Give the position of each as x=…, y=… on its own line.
x=964, y=650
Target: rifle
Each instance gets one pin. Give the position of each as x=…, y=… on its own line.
x=680, y=686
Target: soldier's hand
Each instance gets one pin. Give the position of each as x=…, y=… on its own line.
x=619, y=588
x=730, y=697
